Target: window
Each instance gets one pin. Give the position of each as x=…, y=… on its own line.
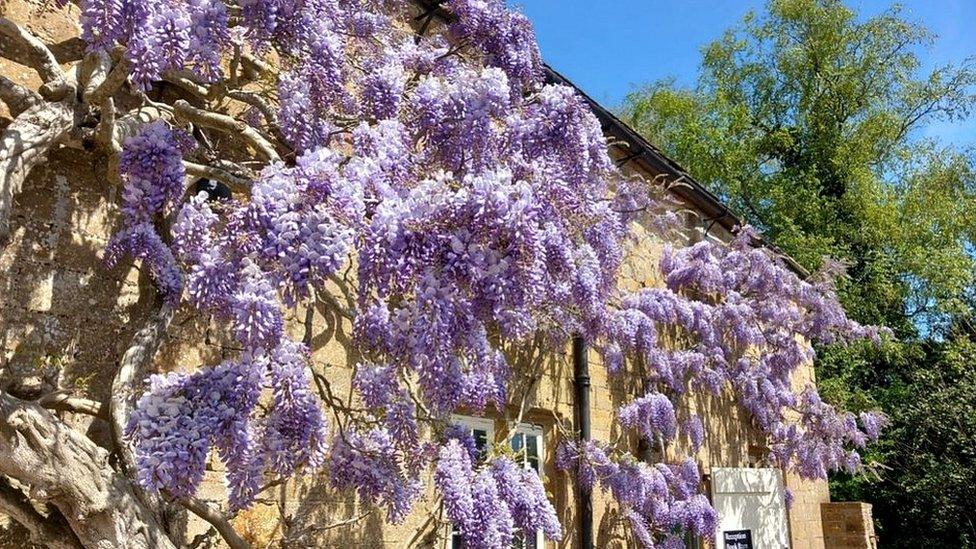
x=483, y=432
x=481, y=429
x=528, y=446
x=527, y=443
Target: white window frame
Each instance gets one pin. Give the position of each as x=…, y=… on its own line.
x=472, y=422
x=524, y=429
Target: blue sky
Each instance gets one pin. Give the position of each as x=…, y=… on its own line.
x=608, y=46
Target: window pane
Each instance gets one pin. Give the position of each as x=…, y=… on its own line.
x=532, y=451
x=527, y=445
x=480, y=442
x=518, y=443
x=525, y=540
x=532, y=446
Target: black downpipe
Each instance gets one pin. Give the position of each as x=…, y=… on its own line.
x=581, y=372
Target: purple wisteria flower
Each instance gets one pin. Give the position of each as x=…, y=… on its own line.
x=437, y=197
x=151, y=166
x=182, y=416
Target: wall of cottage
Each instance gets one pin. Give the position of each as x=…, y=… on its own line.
x=65, y=320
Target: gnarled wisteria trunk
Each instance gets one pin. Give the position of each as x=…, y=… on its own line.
x=425, y=184
x=90, y=503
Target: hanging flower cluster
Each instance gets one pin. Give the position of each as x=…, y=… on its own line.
x=472, y=208
x=183, y=416
x=489, y=506
x=747, y=322
x=657, y=500
x=151, y=167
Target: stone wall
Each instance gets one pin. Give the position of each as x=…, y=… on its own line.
x=848, y=525
x=65, y=321
x=806, y=530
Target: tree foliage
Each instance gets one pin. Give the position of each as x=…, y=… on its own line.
x=928, y=452
x=811, y=121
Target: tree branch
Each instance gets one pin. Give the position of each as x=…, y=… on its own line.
x=212, y=172
x=63, y=402
x=105, y=131
x=24, y=145
x=257, y=67
x=57, y=85
x=132, y=122
x=49, y=531
x=95, y=95
x=216, y=519
x=43, y=60
x=131, y=371
x=262, y=105
x=181, y=81
x=210, y=119
x=17, y=97
x=341, y=523
x=66, y=469
x=94, y=71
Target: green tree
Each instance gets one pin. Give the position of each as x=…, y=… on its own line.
x=809, y=121
x=926, y=462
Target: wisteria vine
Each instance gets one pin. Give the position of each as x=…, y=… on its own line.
x=473, y=209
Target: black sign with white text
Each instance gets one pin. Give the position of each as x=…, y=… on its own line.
x=738, y=539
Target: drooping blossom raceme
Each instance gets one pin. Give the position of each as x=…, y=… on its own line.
x=369, y=463
x=382, y=392
x=695, y=431
x=159, y=35
x=208, y=28
x=182, y=416
x=294, y=431
x=194, y=230
x=489, y=505
x=492, y=524
x=151, y=166
x=523, y=492
x=652, y=414
x=589, y=460
x=465, y=438
x=453, y=479
x=753, y=332
x=655, y=499
x=438, y=195
x=505, y=37
x=141, y=242
x=255, y=310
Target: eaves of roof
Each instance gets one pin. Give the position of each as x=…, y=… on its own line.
x=639, y=150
